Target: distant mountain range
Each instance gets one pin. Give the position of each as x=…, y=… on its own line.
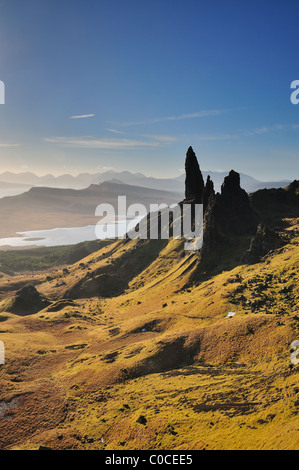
x=83, y=180
x=45, y=208
x=13, y=189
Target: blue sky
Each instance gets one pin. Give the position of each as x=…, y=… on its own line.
x=127, y=84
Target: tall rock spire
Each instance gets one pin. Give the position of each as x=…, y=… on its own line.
x=208, y=193
x=194, y=183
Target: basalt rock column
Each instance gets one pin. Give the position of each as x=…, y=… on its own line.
x=233, y=211
x=208, y=193
x=228, y=215
x=194, y=183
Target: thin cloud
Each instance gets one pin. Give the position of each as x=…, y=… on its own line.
x=115, y=131
x=210, y=137
x=213, y=112
x=108, y=144
x=82, y=116
x=248, y=133
x=167, y=139
x=9, y=145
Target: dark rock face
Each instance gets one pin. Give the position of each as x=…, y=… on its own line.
x=194, y=183
x=261, y=244
x=208, y=194
x=275, y=204
x=294, y=187
x=232, y=210
x=226, y=215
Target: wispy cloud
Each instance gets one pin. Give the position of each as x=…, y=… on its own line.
x=3, y=144
x=237, y=135
x=212, y=112
x=166, y=139
x=215, y=137
x=82, y=116
x=271, y=128
x=112, y=144
x=248, y=133
x=115, y=131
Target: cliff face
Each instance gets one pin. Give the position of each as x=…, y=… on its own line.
x=231, y=209
x=208, y=194
x=231, y=216
x=226, y=214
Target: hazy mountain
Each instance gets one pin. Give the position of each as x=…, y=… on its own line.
x=176, y=184
x=45, y=208
x=12, y=189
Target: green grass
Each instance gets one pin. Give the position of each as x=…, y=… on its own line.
x=19, y=261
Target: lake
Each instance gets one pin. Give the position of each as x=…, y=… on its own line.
x=66, y=236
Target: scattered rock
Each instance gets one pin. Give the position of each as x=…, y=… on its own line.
x=170, y=430
x=142, y=420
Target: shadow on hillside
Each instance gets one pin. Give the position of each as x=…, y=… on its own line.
x=224, y=257
x=113, y=279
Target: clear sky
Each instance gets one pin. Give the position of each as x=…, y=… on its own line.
x=131, y=84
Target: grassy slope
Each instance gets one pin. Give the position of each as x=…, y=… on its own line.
x=13, y=262
x=87, y=369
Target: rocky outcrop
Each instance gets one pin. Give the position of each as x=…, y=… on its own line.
x=275, y=204
x=194, y=183
x=208, y=194
x=226, y=215
x=265, y=241
x=232, y=210
x=294, y=187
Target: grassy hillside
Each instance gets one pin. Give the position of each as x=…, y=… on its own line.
x=130, y=355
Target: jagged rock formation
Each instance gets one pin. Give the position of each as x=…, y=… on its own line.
x=194, y=183
x=232, y=210
x=294, y=187
x=208, y=194
x=227, y=214
x=261, y=244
